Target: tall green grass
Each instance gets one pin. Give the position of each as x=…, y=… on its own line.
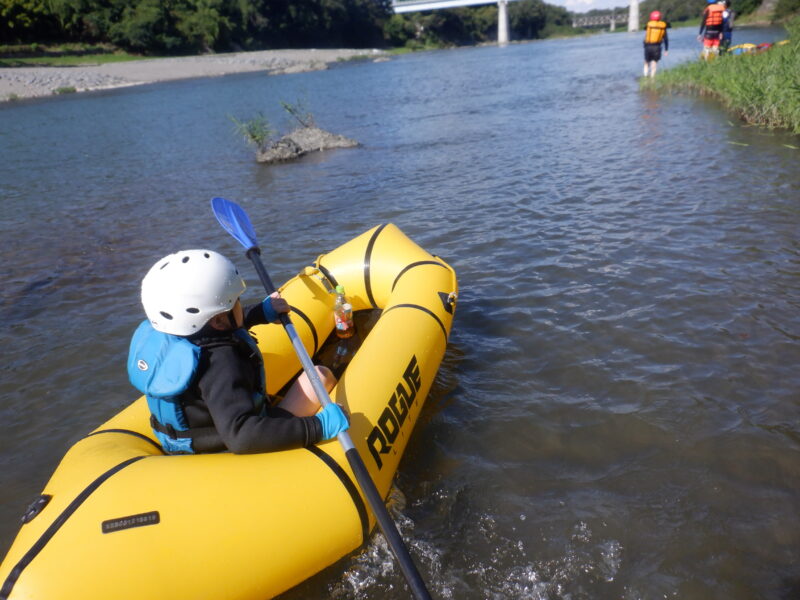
x=62, y=55
x=763, y=89
x=67, y=61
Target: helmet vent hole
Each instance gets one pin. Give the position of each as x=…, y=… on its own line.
x=163, y=266
x=207, y=255
x=193, y=310
x=185, y=259
x=166, y=315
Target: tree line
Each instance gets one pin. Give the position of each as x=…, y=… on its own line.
x=192, y=26
x=681, y=10
x=677, y=11
x=169, y=27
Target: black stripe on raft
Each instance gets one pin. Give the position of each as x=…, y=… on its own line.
x=302, y=315
x=367, y=259
x=423, y=309
x=327, y=274
x=129, y=432
x=415, y=264
x=349, y=486
x=15, y=573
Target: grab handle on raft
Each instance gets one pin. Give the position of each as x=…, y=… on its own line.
x=235, y=221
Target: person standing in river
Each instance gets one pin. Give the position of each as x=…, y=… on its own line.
x=727, y=27
x=655, y=34
x=711, y=28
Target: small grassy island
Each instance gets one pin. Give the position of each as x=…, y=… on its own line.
x=762, y=88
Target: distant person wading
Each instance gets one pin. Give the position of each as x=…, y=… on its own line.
x=655, y=34
x=727, y=27
x=711, y=24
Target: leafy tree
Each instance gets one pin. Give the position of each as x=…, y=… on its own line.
x=148, y=26
x=20, y=14
x=364, y=22
x=527, y=18
x=684, y=10
x=786, y=8
x=200, y=23
x=26, y=20
x=399, y=30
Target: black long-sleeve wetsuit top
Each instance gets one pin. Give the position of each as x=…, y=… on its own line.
x=219, y=405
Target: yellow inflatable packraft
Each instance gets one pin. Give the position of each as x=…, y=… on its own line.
x=121, y=520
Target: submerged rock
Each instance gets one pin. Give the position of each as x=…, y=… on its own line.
x=302, y=141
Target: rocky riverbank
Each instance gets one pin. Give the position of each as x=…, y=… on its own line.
x=32, y=82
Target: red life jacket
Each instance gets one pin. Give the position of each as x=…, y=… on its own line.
x=714, y=16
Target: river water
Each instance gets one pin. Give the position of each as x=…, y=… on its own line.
x=617, y=412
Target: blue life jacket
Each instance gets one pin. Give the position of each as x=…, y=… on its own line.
x=162, y=366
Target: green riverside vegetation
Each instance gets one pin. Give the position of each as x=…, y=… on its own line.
x=180, y=27
x=189, y=27
x=762, y=89
x=61, y=55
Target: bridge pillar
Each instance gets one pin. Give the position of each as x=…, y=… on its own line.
x=633, y=16
x=502, y=22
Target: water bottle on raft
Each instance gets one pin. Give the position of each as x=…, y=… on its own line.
x=343, y=315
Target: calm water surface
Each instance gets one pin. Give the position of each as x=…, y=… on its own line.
x=617, y=412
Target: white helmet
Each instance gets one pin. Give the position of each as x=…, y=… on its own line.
x=182, y=291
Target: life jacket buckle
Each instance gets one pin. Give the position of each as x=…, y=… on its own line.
x=167, y=430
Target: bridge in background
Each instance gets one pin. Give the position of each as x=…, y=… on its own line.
x=632, y=19
x=406, y=6
x=611, y=20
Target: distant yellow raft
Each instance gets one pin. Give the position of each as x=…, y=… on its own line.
x=742, y=49
x=755, y=48
x=120, y=520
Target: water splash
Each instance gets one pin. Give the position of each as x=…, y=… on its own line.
x=374, y=574
x=584, y=565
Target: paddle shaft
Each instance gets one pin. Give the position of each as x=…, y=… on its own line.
x=387, y=525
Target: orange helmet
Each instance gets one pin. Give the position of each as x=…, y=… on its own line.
x=655, y=16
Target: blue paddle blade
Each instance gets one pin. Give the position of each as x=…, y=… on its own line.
x=235, y=221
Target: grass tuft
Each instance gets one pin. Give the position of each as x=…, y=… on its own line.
x=255, y=131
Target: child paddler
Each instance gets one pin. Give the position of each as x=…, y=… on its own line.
x=203, y=374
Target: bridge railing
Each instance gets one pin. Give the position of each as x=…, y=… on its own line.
x=596, y=20
x=405, y=6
